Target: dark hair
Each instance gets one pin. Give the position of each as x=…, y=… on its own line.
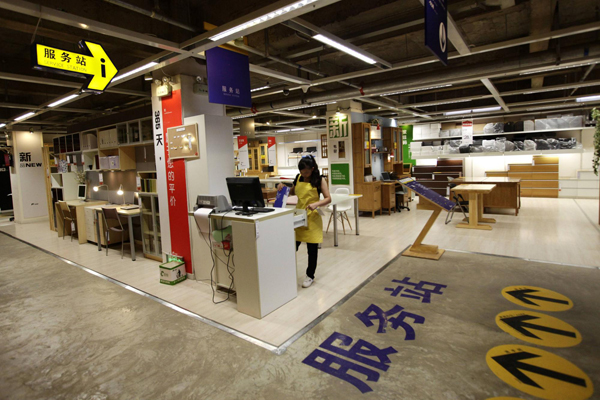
x=310, y=162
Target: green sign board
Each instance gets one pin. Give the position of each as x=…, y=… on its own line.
x=338, y=126
x=340, y=174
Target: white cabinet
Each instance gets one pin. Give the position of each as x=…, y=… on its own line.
x=108, y=138
x=90, y=225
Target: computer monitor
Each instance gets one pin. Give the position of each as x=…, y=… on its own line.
x=385, y=176
x=245, y=192
x=81, y=192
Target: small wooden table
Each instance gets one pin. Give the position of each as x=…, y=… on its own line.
x=476, y=193
x=507, y=193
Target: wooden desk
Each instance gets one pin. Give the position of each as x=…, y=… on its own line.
x=388, y=194
x=79, y=206
x=476, y=193
x=269, y=194
x=130, y=214
x=507, y=193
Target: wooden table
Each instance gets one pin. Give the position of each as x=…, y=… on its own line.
x=126, y=213
x=79, y=206
x=476, y=193
x=507, y=193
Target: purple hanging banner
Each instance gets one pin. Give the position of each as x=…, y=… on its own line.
x=228, y=78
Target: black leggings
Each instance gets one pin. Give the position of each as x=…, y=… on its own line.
x=313, y=252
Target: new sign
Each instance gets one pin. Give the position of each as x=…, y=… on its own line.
x=436, y=22
x=93, y=64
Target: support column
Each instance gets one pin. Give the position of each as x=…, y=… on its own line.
x=27, y=178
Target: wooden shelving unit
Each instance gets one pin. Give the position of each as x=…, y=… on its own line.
x=361, y=160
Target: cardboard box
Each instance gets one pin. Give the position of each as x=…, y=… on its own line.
x=172, y=272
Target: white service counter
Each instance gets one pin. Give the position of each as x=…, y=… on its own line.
x=264, y=247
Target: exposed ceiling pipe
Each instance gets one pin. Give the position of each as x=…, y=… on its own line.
x=152, y=14
x=490, y=70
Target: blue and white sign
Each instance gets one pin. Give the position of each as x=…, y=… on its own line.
x=436, y=32
x=228, y=78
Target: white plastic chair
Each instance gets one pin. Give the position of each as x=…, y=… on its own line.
x=341, y=209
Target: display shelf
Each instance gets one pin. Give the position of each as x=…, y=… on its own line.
x=494, y=154
x=481, y=134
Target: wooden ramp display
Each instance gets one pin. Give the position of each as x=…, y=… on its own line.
x=434, y=202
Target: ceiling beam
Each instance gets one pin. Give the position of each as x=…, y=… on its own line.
x=542, y=16
x=490, y=86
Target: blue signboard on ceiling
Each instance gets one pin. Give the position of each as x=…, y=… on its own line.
x=436, y=24
x=228, y=78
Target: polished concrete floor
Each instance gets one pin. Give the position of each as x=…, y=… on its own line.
x=67, y=334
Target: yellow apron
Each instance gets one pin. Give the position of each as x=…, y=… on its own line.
x=307, y=194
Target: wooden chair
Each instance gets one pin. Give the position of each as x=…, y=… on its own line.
x=68, y=217
x=111, y=214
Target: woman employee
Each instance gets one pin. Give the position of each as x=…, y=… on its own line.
x=308, y=185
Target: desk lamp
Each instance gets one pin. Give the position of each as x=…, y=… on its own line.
x=97, y=188
x=120, y=193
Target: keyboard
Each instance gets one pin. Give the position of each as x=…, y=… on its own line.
x=262, y=209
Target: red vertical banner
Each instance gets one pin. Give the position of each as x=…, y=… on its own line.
x=243, y=152
x=176, y=185
x=271, y=151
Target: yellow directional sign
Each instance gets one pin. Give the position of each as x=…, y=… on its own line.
x=94, y=63
x=538, y=328
x=539, y=373
x=537, y=298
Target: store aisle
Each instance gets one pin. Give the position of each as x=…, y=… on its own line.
x=69, y=334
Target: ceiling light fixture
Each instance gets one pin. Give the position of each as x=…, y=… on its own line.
x=29, y=114
x=415, y=90
x=61, y=101
x=143, y=67
x=260, y=88
x=553, y=107
x=2, y=125
x=296, y=129
x=488, y=109
x=282, y=130
x=557, y=68
x=458, y=112
x=345, y=49
x=262, y=19
x=587, y=98
x=147, y=76
x=310, y=105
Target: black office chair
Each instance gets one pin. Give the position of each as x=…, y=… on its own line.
x=460, y=201
x=400, y=203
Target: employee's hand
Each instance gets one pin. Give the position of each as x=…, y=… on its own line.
x=280, y=186
x=312, y=207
